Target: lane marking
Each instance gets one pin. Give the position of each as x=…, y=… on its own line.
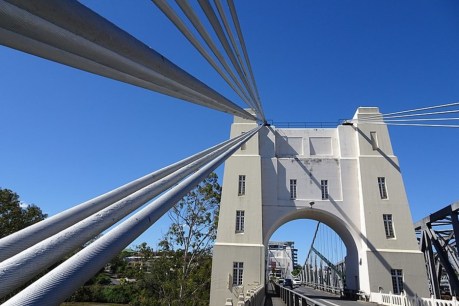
x=329, y=302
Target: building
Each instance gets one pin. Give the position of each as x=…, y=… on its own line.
x=282, y=259
x=345, y=177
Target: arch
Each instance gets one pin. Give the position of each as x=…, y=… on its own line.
x=349, y=203
x=340, y=226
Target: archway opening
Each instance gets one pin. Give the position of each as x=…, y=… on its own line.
x=310, y=253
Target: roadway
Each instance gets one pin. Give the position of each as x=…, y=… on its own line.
x=321, y=297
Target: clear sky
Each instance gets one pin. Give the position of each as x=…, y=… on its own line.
x=68, y=136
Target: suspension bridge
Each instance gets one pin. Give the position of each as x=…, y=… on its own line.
x=346, y=177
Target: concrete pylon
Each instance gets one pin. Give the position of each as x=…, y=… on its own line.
x=353, y=179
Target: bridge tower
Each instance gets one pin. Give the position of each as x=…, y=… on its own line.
x=352, y=179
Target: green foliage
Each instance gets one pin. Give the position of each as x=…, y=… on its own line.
x=165, y=284
x=118, y=265
x=296, y=270
x=180, y=274
x=194, y=219
x=124, y=293
x=13, y=217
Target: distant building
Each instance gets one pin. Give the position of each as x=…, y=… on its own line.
x=282, y=258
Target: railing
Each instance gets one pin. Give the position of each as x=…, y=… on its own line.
x=253, y=297
x=310, y=124
x=390, y=299
x=293, y=298
x=334, y=290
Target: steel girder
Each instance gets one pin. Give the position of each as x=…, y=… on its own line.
x=437, y=240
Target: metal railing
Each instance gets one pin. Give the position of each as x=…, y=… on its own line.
x=305, y=124
x=293, y=298
x=323, y=287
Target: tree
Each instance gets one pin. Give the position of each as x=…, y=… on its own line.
x=14, y=215
x=181, y=274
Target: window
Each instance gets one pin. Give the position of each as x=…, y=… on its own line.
x=240, y=221
x=374, y=140
x=382, y=187
x=238, y=271
x=324, y=189
x=388, y=226
x=241, y=186
x=397, y=280
x=292, y=189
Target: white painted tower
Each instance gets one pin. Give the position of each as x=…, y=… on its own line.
x=350, y=174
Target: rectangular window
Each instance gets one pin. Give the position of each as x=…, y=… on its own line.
x=324, y=189
x=388, y=226
x=240, y=221
x=397, y=280
x=374, y=140
x=241, y=186
x=382, y=187
x=292, y=189
x=238, y=271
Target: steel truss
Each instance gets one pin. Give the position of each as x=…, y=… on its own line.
x=437, y=240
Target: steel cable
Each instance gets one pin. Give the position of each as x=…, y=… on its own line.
x=22, y=267
x=174, y=18
x=61, y=282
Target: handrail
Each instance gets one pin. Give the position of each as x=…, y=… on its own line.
x=306, y=124
x=390, y=299
x=331, y=289
x=291, y=297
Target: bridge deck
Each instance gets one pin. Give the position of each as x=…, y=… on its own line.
x=322, y=297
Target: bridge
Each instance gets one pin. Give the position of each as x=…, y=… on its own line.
x=346, y=176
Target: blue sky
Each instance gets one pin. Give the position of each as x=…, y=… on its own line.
x=68, y=136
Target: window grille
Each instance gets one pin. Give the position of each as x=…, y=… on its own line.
x=324, y=189
x=238, y=271
x=241, y=185
x=397, y=280
x=388, y=226
x=382, y=187
x=292, y=189
x=240, y=221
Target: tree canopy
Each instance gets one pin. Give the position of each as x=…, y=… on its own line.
x=178, y=272
x=181, y=274
x=14, y=215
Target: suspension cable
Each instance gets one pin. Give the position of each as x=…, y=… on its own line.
x=229, y=32
x=415, y=115
x=62, y=281
x=244, y=50
x=23, y=239
x=73, y=37
x=211, y=16
x=414, y=110
x=414, y=124
x=422, y=119
x=22, y=267
x=194, y=19
x=175, y=19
